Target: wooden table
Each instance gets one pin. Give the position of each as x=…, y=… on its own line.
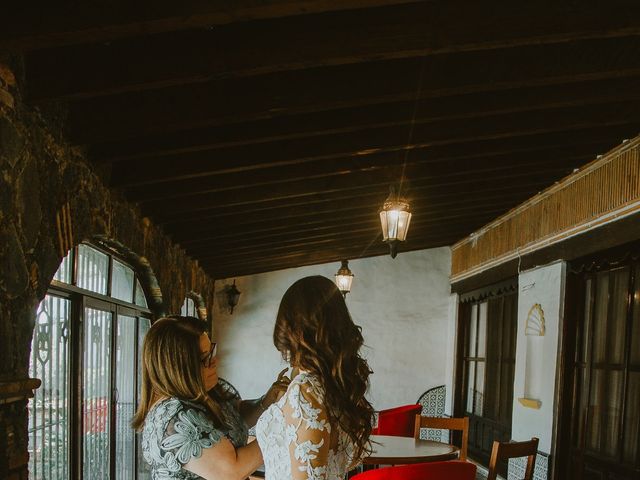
x=403, y=450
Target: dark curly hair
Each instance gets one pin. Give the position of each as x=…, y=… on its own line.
x=315, y=330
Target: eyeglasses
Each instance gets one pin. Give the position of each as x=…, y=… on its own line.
x=208, y=359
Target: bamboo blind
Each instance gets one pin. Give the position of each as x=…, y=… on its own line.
x=600, y=192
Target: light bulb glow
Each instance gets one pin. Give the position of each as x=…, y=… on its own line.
x=344, y=278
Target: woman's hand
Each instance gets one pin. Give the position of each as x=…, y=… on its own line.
x=250, y=410
x=276, y=390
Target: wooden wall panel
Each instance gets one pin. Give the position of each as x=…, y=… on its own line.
x=600, y=192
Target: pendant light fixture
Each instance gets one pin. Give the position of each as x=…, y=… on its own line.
x=395, y=215
x=344, y=278
x=395, y=218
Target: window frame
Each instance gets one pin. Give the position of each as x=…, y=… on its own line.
x=579, y=364
x=463, y=359
x=80, y=299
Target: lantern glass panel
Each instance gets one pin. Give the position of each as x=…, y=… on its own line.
x=395, y=224
x=404, y=218
x=383, y=222
x=344, y=282
x=392, y=222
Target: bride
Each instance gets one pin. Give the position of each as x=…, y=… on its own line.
x=320, y=428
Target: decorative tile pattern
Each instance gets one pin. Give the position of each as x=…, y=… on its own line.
x=433, y=403
x=517, y=467
x=481, y=472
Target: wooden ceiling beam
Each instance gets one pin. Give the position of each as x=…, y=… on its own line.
x=314, y=258
x=424, y=198
x=360, y=173
x=275, y=247
x=30, y=26
x=339, y=155
x=257, y=134
x=355, y=36
x=225, y=270
x=283, y=220
x=311, y=255
x=294, y=234
x=334, y=185
x=516, y=146
x=338, y=240
x=314, y=90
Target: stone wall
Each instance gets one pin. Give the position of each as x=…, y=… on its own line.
x=50, y=200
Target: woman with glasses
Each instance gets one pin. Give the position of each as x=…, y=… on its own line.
x=191, y=428
x=320, y=428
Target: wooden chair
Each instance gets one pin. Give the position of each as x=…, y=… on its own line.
x=458, y=424
x=506, y=450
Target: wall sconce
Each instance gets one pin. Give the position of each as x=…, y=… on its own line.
x=344, y=277
x=233, y=295
x=395, y=217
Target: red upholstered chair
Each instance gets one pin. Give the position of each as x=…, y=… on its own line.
x=398, y=421
x=451, y=470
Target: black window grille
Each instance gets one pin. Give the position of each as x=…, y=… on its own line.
x=86, y=350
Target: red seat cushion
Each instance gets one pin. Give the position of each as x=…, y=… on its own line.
x=451, y=470
x=398, y=421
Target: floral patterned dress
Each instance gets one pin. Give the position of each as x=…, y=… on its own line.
x=295, y=436
x=175, y=431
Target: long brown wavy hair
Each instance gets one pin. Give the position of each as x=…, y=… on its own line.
x=172, y=367
x=315, y=331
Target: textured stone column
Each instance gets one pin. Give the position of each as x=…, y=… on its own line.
x=17, y=296
x=14, y=456
x=51, y=199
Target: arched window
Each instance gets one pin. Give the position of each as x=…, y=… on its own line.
x=188, y=308
x=193, y=306
x=86, y=350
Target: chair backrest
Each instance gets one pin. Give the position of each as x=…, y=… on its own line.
x=451, y=470
x=398, y=421
x=505, y=450
x=458, y=424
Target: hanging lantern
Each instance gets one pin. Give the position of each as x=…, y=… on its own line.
x=233, y=295
x=344, y=277
x=395, y=217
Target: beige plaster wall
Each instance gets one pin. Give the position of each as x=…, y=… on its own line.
x=404, y=306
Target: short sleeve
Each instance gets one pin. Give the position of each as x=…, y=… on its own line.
x=188, y=432
x=308, y=433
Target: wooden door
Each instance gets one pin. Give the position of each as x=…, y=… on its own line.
x=489, y=330
x=603, y=366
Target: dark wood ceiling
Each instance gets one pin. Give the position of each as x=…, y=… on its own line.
x=264, y=135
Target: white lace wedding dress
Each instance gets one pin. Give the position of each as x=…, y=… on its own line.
x=295, y=436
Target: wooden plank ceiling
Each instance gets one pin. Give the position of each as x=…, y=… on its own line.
x=264, y=135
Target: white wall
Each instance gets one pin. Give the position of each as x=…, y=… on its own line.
x=404, y=306
x=544, y=285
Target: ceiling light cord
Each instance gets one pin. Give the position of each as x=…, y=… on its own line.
x=423, y=64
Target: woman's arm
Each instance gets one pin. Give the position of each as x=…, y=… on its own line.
x=224, y=462
x=192, y=442
x=308, y=433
